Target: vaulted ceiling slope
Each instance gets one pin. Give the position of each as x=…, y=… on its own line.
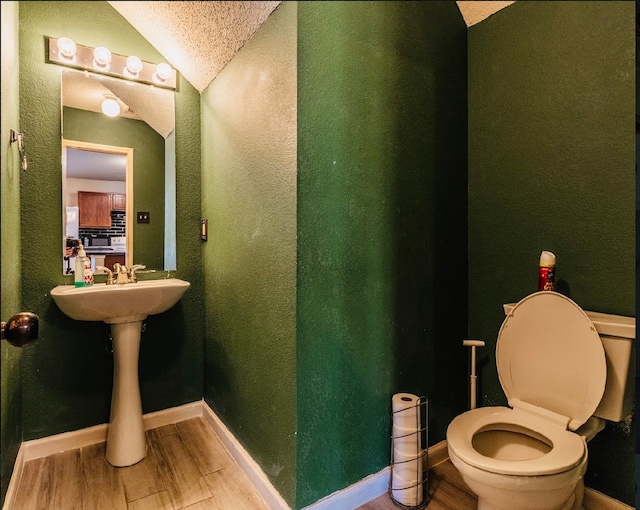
x=200, y=38
x=474, y=11
x=197, y=38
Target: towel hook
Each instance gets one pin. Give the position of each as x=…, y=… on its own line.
x=19, y=137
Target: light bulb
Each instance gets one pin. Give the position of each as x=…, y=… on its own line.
x=101, y=58
x=163, y=71
x=110, y=107
x=134, y=66
x=66, y=48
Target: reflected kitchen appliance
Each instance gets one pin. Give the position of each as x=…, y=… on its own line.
x=119, y=244
x=95, y=241
x=102, y=248
x=104, y=244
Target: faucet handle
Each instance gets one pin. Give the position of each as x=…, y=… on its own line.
x=121, y=271
x=110, y=279
x=133, y=278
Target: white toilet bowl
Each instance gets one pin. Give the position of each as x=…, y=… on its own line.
x=552, y=367
x=512, y=459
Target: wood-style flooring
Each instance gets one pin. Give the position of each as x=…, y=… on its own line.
x=446, y=491
x=186, y=467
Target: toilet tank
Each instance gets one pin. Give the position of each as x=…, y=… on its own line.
x=618, y=335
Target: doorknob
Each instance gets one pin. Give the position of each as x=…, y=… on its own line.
x=21, y=329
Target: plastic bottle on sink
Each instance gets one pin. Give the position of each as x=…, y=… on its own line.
x=83, y=275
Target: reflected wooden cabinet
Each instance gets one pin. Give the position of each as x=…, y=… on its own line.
x=94, y=209
x=118, y=202
x=110, y=260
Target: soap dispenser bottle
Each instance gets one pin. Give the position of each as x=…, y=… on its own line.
x=83, y=273
x=79, y=267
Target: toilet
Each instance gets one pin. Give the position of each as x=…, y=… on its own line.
x=564, y=372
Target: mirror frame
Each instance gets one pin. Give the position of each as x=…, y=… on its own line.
x=108, y=149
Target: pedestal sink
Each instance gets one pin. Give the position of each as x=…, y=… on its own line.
x=124, y=306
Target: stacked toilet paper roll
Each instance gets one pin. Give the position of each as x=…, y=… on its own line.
x=406, y=478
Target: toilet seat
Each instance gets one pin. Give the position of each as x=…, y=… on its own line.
x=568, y=449
x=549, y=355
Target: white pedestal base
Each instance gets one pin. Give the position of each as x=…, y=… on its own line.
x=126, y=443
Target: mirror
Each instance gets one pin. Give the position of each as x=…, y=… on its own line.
x=118, y=173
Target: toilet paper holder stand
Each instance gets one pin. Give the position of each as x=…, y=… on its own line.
x=419, y=460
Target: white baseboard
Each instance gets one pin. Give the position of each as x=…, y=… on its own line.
x=173, y=415
x=18, y=467
x=373, y=485
x=51, y=445
x=251, y=469
x=58, y=443
x=353, y=496
x=357, y=494
x=594, y=500
x=437, y=454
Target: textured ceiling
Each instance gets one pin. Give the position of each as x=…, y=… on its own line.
x=197, y=38
x=200, y=38
x=475, y=11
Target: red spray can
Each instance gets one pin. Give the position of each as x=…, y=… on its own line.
x=547, y=271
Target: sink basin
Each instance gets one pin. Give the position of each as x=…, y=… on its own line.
x=124, y=307
x=115, y=304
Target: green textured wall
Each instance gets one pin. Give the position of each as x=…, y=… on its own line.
x=327, y=295
x=382, y=169
x=249, y=198
x=67, y=375
x=10, y=296
x=148, y=168
x=552, y=167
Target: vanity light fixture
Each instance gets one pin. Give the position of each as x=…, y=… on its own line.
x=163, y=73
x=133, y=67
x=102, y=59
x=65, y=52
x=110, y=106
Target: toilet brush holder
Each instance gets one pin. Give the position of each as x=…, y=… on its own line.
x=409, y=474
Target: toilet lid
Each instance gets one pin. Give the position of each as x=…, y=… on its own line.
x=550, y=355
